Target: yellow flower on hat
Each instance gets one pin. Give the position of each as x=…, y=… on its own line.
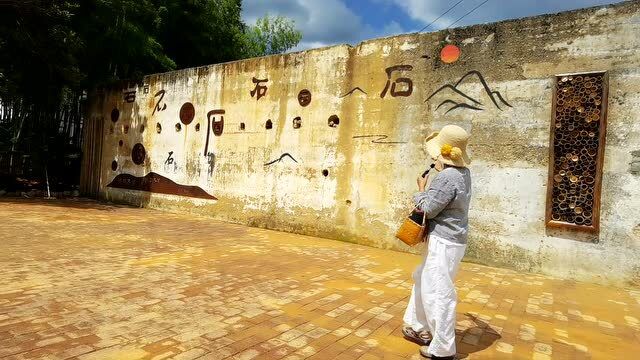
x=445, y=150
x=456, y=153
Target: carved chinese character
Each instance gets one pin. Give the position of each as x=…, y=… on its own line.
x=402, y=80
x=130, y=96
x=169, y=160
x=218, y=126
x=260, y=90
x=158, y=108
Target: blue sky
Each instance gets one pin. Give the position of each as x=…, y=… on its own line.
x=329, y=22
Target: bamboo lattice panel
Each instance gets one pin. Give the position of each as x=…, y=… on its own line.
x=578, y=133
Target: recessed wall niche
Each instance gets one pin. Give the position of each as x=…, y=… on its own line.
x=578, y=133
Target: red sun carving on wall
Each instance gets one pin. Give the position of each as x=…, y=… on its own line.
x=449, y=54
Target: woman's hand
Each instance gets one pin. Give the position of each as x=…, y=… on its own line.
x=422, y=182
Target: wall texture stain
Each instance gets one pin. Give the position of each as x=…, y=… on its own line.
x=328, y=142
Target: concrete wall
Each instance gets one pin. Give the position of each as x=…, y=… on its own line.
x=369, y=180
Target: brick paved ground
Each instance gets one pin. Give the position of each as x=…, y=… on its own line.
x=86, y=281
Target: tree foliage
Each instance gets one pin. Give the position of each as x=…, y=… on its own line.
x=196, y=33
x=38, y=51
x=271, y=35
x=52, y=51
x=77, y=44
x=119, y=40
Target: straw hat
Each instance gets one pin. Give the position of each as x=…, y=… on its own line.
x=449, y=145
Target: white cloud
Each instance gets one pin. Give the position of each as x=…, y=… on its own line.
x=253, y=9
x=322, y=23
x=305, y=45
x=392, y=28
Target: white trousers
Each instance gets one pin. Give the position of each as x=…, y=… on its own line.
x=432, y=305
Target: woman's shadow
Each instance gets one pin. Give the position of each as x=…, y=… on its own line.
x=475, y=338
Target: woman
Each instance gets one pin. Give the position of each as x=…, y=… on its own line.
x=430, y=317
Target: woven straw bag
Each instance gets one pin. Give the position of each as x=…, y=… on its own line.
x=411, y=232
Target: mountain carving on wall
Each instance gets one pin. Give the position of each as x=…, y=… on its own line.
x=468, y=102
x=159, y=184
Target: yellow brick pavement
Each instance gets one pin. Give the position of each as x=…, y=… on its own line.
x=81, y=280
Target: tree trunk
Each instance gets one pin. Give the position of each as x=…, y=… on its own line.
x=15, y=138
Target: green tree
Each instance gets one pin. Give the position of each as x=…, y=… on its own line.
x=119, y=40
x=270, y=35
x=53, y=51
x=196, y=33
x=37, y=67
x=37, y=51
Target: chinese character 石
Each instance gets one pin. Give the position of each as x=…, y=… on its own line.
x=130, y=96
x=158, y=108
x=169, y=160
x=402, y=80
x=261, y=90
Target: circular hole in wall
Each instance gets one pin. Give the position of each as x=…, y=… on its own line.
x=138, y=153
x=197, y=127
x=325, y=172
x=268, y=125
x=114, y=165
x=242, y=127
x=178, y=127
x=158, y=128
x=297, y=122
x=115, y=115
x=304, y=97
x=333, y=121
x=187, y=113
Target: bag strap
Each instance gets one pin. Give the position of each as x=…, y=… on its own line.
x=424, y=218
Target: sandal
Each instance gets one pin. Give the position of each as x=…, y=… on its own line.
x=420, y=338
x=424, y=351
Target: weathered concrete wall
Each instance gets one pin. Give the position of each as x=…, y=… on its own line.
x=365, y=189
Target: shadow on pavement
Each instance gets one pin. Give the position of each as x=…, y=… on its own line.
x=486, y=337
x=79, y=203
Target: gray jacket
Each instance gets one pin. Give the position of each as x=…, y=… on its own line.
x=446, y=203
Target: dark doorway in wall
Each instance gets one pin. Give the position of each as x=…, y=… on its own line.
x=268, y=125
